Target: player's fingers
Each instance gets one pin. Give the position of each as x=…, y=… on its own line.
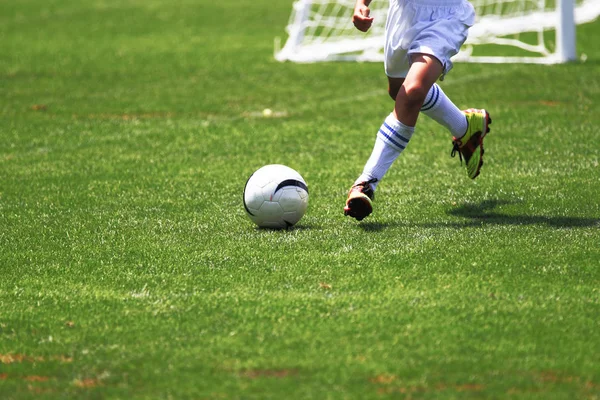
x=362, y=28
x=362, y=24
x=361, y=20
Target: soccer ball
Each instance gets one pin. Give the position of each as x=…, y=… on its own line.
x=275, y=196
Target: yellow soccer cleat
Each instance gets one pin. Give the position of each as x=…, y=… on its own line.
x=470, y=146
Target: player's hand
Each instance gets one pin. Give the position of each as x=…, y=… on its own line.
x=361, y=19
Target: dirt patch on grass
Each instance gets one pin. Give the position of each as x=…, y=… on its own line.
x=20, y=358
x=36, y=378
x=383, y=379
x=557, y=377
x=550, y=103
x=87, y=383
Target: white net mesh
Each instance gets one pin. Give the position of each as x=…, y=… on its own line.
x=321, y=30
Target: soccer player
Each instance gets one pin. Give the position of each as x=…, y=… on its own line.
x=421, y=36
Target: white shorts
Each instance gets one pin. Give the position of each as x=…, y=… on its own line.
x=435, y=27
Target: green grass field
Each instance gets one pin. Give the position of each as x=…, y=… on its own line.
x=129, y=270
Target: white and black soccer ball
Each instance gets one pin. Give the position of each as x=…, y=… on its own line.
x=275, y=196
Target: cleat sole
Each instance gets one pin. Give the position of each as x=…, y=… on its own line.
x=358, y=208
x=488, y=122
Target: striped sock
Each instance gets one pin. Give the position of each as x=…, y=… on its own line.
x=392, y=138
x=441, y=109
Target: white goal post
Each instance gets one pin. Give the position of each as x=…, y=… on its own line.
x=506, y=31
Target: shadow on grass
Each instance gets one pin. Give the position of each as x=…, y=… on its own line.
x=376, y=226
x=483, y=214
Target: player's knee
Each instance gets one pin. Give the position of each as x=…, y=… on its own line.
x=414, y=95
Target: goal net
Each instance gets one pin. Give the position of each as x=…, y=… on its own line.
x=521, y=31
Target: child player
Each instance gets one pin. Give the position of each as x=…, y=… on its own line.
x=421, y=36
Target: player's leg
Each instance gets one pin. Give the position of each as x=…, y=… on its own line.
x=391, y=140
x=424, y=70
x=394, y=134
x=437, y=106
x=444, y=37
x=394, y=85
x=468, y=128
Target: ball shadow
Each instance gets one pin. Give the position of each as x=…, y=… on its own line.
x=298, y=227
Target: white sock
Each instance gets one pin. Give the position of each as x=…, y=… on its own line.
x=441, y=109
x=392, y=138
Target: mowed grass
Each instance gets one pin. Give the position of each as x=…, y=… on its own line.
x=128, y=268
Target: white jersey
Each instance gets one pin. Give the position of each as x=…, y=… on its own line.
x=435, y=27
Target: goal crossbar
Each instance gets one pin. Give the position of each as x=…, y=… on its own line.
x=321, y=30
